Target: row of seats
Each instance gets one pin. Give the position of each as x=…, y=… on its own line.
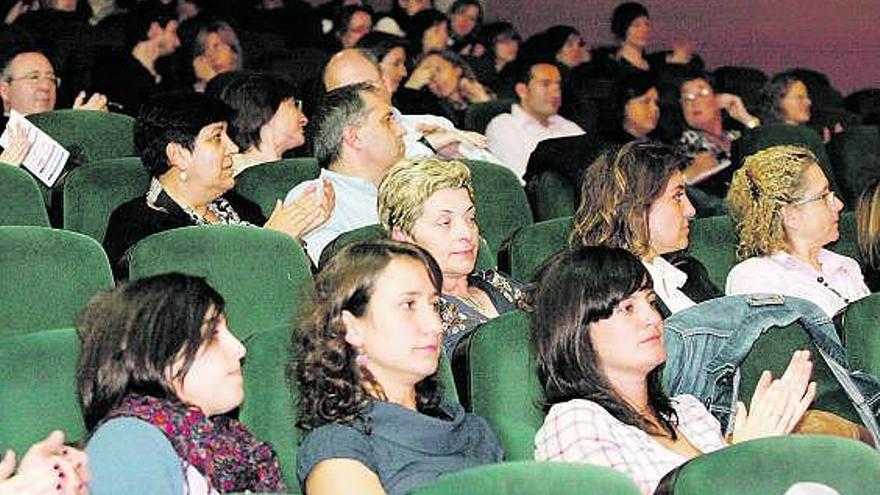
x=91, y=193
x=38, y=372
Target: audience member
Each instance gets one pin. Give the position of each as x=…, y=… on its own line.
x=215, y=50
x=634, y=198
x=785, y=99
x=430, y=203
x=631, y=25
x=442, y=83
x=502, y=48
x=268, y=119
x=356, y=140
x=785, y=214
x=564, y=43
x=390, y=51
x=373, y=336
x=465, y=22
x=398, y=20
x=129, y=76
x=514, y=135
x=351, y=24
x=48, y=467
x=706, y=143
x=159, y=369
x=868, y=230
x=182, y=142
x=598, y=342
x=428, y=31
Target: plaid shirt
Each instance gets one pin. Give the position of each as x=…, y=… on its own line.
x=582, y=431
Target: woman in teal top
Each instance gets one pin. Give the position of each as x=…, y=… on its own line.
x=367, y=378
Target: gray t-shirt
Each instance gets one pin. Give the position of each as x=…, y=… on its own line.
x=406, y=449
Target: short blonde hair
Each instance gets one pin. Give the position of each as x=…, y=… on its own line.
x=411, y=182
x=767, y=181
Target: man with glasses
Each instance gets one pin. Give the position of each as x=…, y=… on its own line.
x=28, y=84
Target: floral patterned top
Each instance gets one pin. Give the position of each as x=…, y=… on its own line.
x=460, y=317
x=694, y=142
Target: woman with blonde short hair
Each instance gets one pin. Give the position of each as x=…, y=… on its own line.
x=430, y=202
x=785, y=213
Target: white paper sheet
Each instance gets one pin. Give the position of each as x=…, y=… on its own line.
x=46, y=157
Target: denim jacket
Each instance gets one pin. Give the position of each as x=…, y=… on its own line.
x=706, y=344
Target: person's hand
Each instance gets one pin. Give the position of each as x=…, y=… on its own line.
x=682, y=51
x=96, y=102
x=18, y=8
x=777, y=405
x=473, y=91
x=17, y=148
x=699, y=168
x=446, y=141
x=827, y=133
x=735, y=107
x=202, y=69
x=421, y=75
x=305, y=213
x=47, y=467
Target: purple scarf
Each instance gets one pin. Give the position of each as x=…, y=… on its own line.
x=221, y=448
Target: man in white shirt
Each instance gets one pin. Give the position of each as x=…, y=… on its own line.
x=426, y=135
x=357, y=139
x=513, y=136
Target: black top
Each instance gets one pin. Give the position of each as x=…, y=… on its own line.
x=124, y=80
x=698, y=287
x=410, y=101
x=135, y=220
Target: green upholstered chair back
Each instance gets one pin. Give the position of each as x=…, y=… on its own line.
x=21, y=202
x=47, y=277
x=266, y=183
x=861, y=336
x=848, y=243
x=270, y=400
x=552, y=196
x=772, y=465
x=534, y=245
x=261, y=273
x=504, y=386
x=92, y=193
x=502, y=206
x=772, y=351
x=855, y=155
x=485, y=255
x=769, y=135
x=528, y=478
x=38, y=372
x=91, y=135
x=713, y=242
x=478, y=115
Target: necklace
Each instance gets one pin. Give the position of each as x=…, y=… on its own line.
x=476, y=304
x=837, y=293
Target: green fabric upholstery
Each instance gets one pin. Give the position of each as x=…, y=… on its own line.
x=22, y=200
x=90, y=135
x=529, y=478
x=861, y=336
x=772, y=465
x=769, y=135
x=504, y=387
x=261, y=273
x=266, y=183
x=855, y=155
x=533, y=245
x=713, y=242
x=38, y=372
x=848, y=243
x=485, y=256
x=478, y=115
x=772, y=351
x=92, y=193
x=270, y=400
x=501, y=202
x=47, y=277
x=552, y=196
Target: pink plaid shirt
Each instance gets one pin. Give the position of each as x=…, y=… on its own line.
x=582, y=431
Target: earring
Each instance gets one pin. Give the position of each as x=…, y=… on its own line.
x=182, y=177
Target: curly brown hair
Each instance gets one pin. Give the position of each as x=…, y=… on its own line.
x=767, y=181
x=616, y=194
x=332, y=387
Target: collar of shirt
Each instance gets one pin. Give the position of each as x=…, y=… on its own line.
x=666, y=273
x=342, y=181
x=830, y=262
x=527, y=120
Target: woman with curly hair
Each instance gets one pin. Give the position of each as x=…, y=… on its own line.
x=633, y=197
x=367, y=378
x=785, y=214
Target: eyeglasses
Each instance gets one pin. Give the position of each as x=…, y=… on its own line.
x=828, y=196
x=33, y=79
x=693, y=95
x=298, y=104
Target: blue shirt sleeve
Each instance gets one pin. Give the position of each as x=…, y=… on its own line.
x=131, y=456
x=333, y=441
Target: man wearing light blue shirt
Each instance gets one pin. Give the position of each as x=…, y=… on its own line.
x=357, y=139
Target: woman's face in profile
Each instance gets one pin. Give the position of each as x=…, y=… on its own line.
x=669, y=217
x=814, y=218
x=214, y=382
x=435, y=37
x=630, y=341
x=220, y=55
x=287, y=125
x=209, y=165
x=796, y=104
x=393, y=66
x=642, y=113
